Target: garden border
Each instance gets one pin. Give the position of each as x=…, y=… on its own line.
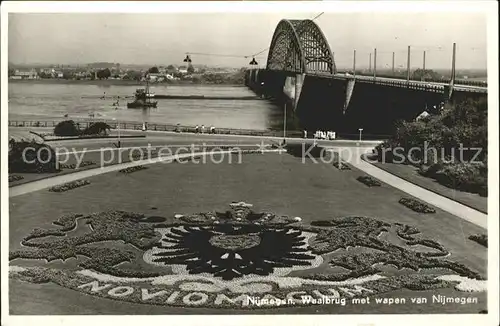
x=363, y=157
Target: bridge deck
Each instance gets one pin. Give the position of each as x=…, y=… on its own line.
x=430, y=86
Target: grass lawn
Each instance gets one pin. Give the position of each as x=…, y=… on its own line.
x=271, y=182
x=410, y=173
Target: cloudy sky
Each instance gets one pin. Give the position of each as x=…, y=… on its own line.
x=164, y=39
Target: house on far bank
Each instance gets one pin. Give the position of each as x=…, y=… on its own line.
x=25, y=74
x=159, y=77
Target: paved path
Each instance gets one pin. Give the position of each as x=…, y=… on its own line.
x=353, y=157
x=57, y=180
x=351, y=154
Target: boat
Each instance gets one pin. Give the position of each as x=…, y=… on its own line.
x=143, y=99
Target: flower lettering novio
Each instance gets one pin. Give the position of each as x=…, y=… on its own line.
x=230, y=258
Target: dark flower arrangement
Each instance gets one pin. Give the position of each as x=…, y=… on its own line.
x=339, y=164
x=133, y=169
x=369, y=181
x=13, y=178
x=482, y=239
x=74, y=166
x=69, y=186
x=416, y=206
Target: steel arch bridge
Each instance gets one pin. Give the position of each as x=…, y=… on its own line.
x=299, y=46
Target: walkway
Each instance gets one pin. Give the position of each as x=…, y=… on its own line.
x=57, y=180
x=349, y=153
x=353, y=156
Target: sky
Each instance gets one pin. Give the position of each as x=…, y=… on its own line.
x=163, y=38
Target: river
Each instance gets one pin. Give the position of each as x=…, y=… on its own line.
x=47, y=101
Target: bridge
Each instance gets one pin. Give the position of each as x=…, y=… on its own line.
x=301, y=73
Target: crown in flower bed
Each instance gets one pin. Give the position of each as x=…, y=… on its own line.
x=239, y=213
x=416, y=206
x=133, y=169
x=482, y=239
x=69, y=186
x=369, y=181
x=15, y=177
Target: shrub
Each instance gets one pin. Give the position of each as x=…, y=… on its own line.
x=416, y=206
x=369, y=181
x=482, y=239
x=471, y=177
x=338, y=163
x=37, y=157
x=459, y=125
x=13, y=178
x=74, y=166
x=66, y=128
x=69, y=186
x=133, y=169
x=96, y=128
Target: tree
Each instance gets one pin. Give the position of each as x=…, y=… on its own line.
x=134, y=75
x=104, y=73
x=153, y=70
x=171, y=68
x=427, y=74
x=66, y=128
x=39, y=158
x=42, y=74
x=190, y=69
x=67, y=75
x=11, y=72
x=96, y=128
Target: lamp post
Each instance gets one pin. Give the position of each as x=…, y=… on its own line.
x=354, y=64
x=118, y=128
x=284, y=126
x=360, y=131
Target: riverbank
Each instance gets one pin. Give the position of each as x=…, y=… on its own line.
x=114, y=82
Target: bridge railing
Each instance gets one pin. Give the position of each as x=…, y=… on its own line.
x=190, y=129
x=156, y=127
x=411, y=85
x=464, y=82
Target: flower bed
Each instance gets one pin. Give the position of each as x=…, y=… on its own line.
x=482, y=239
x=69, y=186
x=133, y=169
x=338, y=163
x=369, y=181
x=416, y=206
x=13, y=178
x=254, y=254
x=74, y=166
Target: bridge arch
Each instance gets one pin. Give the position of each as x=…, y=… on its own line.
x=299, y=46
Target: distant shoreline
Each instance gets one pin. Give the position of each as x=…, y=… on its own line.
x=111, y=82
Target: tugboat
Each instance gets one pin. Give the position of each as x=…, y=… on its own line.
x=143, y=99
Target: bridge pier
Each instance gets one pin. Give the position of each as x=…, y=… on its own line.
x=273, y=84
x=253, y=80
x=351, y=82
x=293, y=88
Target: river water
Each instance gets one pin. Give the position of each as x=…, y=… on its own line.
x=45, y=101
